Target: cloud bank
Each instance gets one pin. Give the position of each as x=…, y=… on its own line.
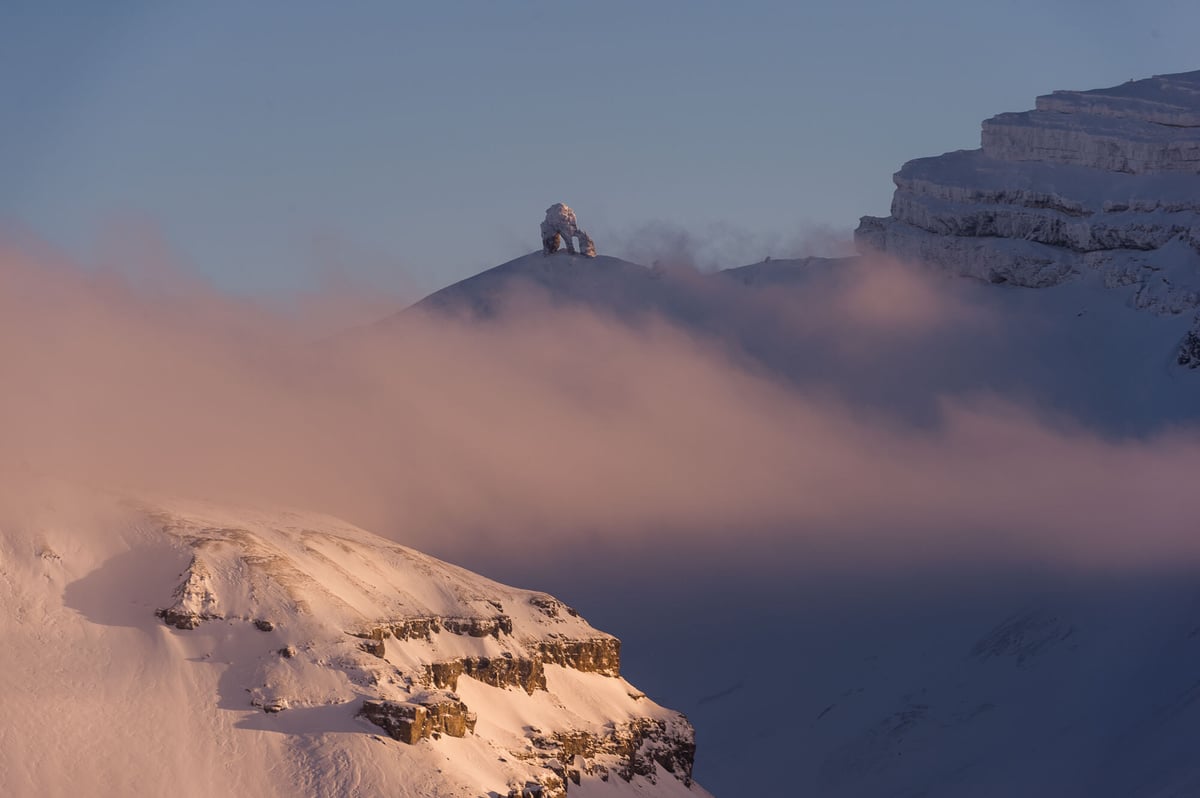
x=558, y=428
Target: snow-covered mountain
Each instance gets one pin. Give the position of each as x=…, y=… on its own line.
x=168, y=647
x=1103, y=182
x=1076, y=230
x=1098, y=186
x=181, y=649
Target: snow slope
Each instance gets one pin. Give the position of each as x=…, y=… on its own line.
x=604, y=283
x=985, y=682
x=175, y=648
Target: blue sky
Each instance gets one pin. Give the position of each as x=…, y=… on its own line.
x=410, y=145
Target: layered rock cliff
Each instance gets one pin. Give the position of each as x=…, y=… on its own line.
x=1103, y=182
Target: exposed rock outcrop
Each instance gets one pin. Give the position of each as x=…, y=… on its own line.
x=195, y=600
x=525, y=673
x=549, y=786
x=560, y=226
x=551, y=606
x=421, y=718
x=594, y=655
x=1189, y=347
x=629, y=749
x=600, y=655
x=423, y=628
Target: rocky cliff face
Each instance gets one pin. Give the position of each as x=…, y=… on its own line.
x=1103, y=182
x=406, y=632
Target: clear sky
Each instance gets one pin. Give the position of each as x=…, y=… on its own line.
x=271, y=142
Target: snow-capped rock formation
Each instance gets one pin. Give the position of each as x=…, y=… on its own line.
x=559, y=226
x=1141, y=127
x=298, y=655
x=1104, y=181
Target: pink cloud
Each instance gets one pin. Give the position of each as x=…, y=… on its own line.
x=540, y=431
